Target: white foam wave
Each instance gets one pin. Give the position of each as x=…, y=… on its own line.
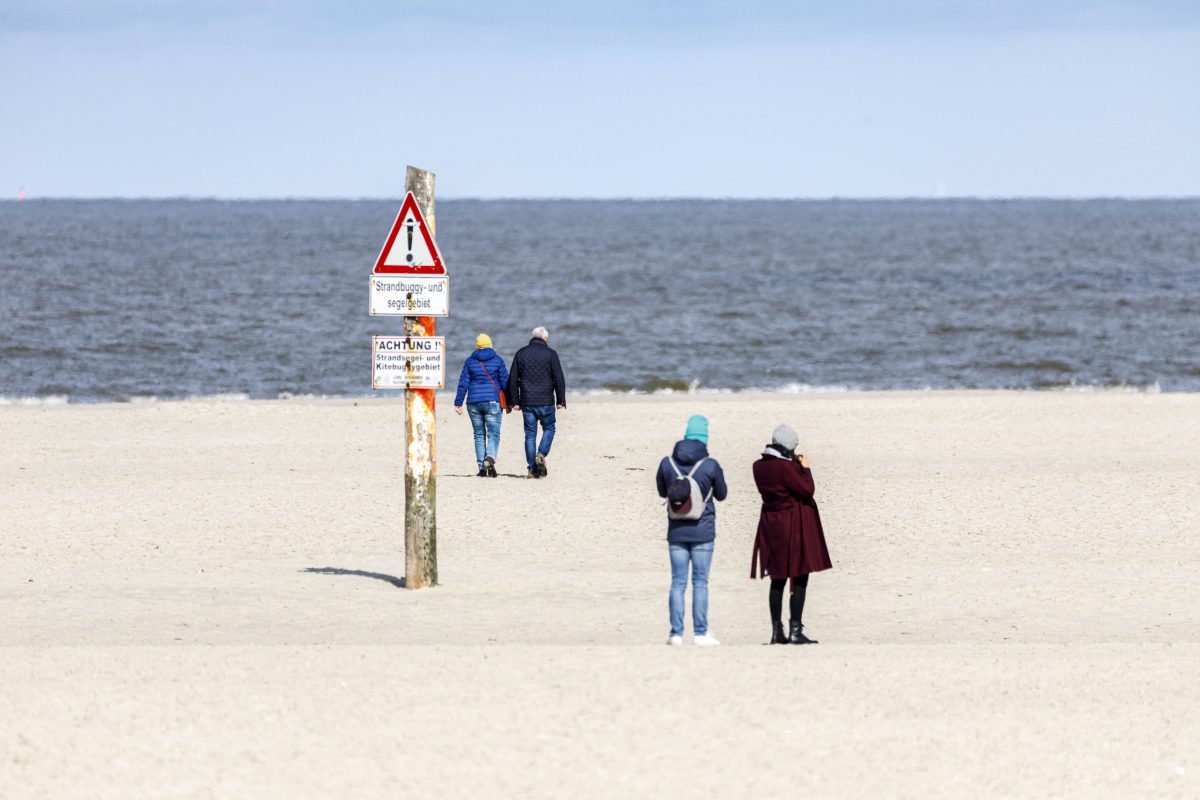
x=695, y=388
x=303, y=396
x=808, y=388
x=1149, y=388
x=227, y=397
x=50, y=400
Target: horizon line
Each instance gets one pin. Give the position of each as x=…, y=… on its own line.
x=607, y=198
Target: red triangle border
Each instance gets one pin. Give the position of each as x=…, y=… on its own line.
x=437, y=268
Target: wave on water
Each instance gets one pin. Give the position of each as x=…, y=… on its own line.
x=226, y=397
x=152, y=399
x=694, y=388
x=49, y=400
x=1116, y=388
x=304, y=396
x=804, y=388
x=652, y=386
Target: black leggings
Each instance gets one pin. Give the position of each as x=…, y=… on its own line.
x=795, y=604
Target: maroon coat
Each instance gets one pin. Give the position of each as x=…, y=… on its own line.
x=790, y=539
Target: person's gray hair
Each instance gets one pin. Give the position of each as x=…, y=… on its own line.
x=541, y=333
x=785, y=437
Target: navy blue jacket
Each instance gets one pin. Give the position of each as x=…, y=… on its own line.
x=537, y=377
x=708, y=475
x=474, y=383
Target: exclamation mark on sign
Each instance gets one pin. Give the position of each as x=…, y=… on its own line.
x=410, y=224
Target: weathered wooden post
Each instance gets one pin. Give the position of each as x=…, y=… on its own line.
x=420, y=428
x=409, y=278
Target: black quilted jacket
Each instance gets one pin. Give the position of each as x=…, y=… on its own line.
x=536, y=377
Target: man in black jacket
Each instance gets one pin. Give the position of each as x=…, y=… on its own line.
x=537, y=388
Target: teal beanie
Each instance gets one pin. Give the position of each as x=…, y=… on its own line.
x=697, y=428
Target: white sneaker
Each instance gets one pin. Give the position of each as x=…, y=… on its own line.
x=674, y=639
x=706, y=640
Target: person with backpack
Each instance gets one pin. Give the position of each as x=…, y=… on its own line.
x=790, y=542
x=480, y=382
x=690, y=481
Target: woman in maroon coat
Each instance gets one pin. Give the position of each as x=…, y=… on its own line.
x=790, y=541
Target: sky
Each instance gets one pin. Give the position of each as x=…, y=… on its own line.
x=620, y=98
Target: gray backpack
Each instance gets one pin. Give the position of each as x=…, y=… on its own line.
x=684, y=500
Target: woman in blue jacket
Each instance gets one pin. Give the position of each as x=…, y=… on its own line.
x=481, y=382
x=690, y=534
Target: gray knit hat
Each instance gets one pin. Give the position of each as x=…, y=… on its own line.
x=785, y=437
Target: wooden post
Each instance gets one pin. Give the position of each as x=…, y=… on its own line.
x=420, y=429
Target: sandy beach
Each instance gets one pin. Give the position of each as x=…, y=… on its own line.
x=202, y=599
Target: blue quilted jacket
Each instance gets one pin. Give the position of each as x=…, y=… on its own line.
x=709, y=476
x=537, y=377
x=473, y=381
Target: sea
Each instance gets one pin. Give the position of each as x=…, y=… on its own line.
x=137, y=300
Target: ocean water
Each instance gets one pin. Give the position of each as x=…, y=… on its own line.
x=106, y=300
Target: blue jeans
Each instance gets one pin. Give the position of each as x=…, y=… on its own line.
x=485, y=420
x=700, y=556
x=534, y=415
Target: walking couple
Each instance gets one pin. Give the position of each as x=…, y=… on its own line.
x=535, y=387
x=789, y=544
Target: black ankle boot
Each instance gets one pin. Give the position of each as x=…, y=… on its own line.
x=777, y=634
x=796, y=634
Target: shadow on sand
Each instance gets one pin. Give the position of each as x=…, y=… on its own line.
x=379, y=576
x=473, y=475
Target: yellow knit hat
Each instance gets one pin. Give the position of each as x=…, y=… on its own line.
x=483, y=340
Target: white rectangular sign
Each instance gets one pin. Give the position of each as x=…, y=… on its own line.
x=408, y=362
x=410, y=295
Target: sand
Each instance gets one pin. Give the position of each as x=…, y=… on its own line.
x=200, y=599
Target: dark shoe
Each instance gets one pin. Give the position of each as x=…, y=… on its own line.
x=489, y=467
x=482, y=473
x=532, y=474
x=796, y=634
x=540, y=461
x=777, y=634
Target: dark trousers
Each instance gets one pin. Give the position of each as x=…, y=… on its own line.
x=795, y=604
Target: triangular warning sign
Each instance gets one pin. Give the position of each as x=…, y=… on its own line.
x=409, y=249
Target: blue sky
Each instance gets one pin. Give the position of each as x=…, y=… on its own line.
x=609, y=99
